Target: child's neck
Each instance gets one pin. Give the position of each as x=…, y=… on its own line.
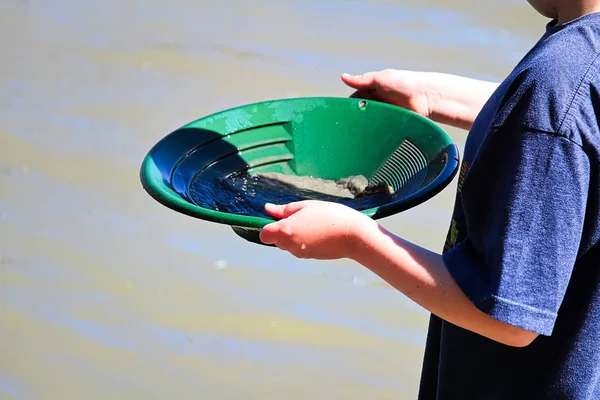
x=568, y=10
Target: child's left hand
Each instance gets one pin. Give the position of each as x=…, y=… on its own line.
x=314, y=229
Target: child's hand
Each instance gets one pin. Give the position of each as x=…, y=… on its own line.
x=407, y=89
x=314, y=229
x=445, y=98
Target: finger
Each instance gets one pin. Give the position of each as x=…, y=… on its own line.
x=284, y=211
x=281, y=245
x=367, y=94
x=296, y=251
x=270, y=234
x=363, y=81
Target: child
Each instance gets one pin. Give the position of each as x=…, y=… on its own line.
x=515, y=296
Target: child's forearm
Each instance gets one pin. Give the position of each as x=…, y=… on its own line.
x=456, y=100
x=423, y=277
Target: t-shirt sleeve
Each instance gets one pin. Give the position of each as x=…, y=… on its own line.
x=524, y=200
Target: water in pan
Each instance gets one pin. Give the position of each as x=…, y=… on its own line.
x=247, y=194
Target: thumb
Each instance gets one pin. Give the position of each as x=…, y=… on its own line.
x=284, y=211
x=359, y=81
x=270, y=233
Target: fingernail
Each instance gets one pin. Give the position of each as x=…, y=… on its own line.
x=346, y=75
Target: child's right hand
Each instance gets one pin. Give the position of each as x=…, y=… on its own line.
x=444, y=98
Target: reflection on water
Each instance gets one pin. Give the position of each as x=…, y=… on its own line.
x=103, y=292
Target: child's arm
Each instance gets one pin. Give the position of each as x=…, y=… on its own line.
x=323, y=230
x=444, y=98
x=423, y=277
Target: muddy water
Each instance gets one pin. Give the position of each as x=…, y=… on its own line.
x=105, y=293
x=247, y=194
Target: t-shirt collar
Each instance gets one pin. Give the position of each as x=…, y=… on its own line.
x=553, y=27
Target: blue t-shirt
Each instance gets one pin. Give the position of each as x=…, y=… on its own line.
x=524, y=238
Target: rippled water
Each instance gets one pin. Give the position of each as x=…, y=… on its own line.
x=104, y=292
